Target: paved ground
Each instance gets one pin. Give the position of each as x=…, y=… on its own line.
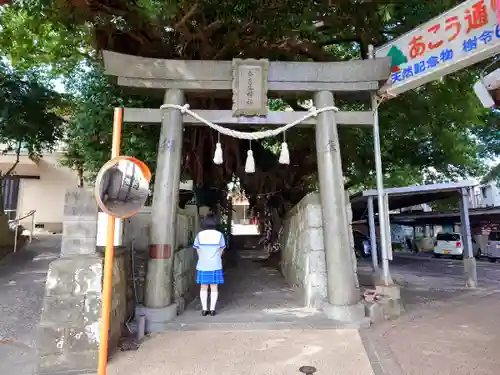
x=447, y=328
x=254, y=297
x=457, y=338
x=427, y=280
x=452, y=330
x=260, y=329
x=256, y=300
x=263, y=352
x=22, y=285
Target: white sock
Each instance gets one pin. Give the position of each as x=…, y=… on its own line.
x=213, y=300
x=204, y=299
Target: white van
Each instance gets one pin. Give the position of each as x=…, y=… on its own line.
x=493, y=251
x=452, y=244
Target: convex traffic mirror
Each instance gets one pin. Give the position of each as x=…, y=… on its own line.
x=122, y=186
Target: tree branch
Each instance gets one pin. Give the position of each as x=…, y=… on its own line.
x=493, y=174
x=186, y=17
x=353, y=39
x=306, y=48
x=18, y=154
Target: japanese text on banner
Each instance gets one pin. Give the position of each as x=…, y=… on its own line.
x=460, y=33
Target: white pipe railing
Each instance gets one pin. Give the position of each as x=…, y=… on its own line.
x=17, y=220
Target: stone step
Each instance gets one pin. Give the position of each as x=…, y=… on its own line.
x=246, y=242
x=319, y=324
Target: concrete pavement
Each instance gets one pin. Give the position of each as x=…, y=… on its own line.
x=22, y=286
x=255, y=297
x=264, y=352
x=427, y=280
x=261, y=329
x=457, y=338
x=447, y=329
x=442, y=323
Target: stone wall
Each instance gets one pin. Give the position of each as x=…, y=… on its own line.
x=68, y=336
x=121, y=310
x=303, y=255
x=354, y=261
x=69, y=326
x=137, y=235
x=184, y=277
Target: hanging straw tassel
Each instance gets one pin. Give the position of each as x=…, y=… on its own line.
x=284, y=154
x=250, y=163
x=218, y=158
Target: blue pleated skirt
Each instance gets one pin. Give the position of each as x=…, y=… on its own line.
x=210, y=277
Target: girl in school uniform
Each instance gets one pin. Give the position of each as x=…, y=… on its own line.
x=210, y=244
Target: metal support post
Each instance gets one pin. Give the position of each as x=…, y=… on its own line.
x=373, y=235
x=469, y=260
x=388, y=236
x=159, y=277
x=386, y=276
x=343, y=296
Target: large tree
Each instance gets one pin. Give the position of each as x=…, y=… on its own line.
x=436, y=132
x=29, y=119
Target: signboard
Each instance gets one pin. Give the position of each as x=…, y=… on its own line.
x=454, y=40
x=250, y=87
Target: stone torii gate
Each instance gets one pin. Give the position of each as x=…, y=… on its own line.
x=323, y=80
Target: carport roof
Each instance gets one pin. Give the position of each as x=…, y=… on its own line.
x=477, y=216
x=401, y=197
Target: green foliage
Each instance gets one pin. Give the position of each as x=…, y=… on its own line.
x=435, y=133
x=447, y=204
x=28, y=114
x=491, y=145
x=439, y=126
x=493, y=174
x=29, y=120
x=90, y=127
x=30, y=42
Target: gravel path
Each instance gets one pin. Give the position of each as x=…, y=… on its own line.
x=22, y=285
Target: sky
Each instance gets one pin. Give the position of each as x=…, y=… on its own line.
x=59, y=86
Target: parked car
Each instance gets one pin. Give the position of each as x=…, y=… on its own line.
x=362, y=245
x=476, y=249
x=493, y=250
x=452, y=244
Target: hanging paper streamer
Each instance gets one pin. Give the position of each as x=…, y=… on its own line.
x=284, y=154
x=218, y=158
x=250, y=163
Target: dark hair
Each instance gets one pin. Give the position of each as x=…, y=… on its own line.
x=209, y=222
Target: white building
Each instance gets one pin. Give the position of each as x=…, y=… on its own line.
x=39, y=186
x=487, y=195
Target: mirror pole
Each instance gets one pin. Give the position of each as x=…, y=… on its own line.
x=117, y=132
x=108, y=257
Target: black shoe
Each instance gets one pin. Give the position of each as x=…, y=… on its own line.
x=212, y=312
x=204, y=313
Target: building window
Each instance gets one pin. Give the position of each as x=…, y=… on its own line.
x=483, y=191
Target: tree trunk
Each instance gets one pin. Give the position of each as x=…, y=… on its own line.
x=80, y=177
